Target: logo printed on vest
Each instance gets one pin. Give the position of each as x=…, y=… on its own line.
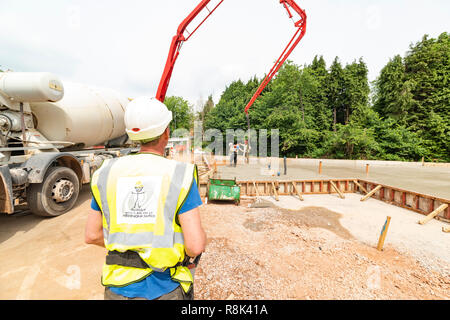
x=137, y=199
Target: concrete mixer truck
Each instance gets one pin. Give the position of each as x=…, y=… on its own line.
x=48, y=137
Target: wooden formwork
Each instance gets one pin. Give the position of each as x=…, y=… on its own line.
x=290, y=187
x=283, y=188
x=420, y=203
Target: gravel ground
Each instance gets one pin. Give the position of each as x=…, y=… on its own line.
x=364, y=220
x=268, y=253
x=310, y=253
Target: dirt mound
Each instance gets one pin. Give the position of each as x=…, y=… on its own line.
x=272, y=253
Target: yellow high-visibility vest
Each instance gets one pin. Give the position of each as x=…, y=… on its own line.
x=140, y=196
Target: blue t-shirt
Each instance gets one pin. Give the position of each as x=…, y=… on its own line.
x=158, y=283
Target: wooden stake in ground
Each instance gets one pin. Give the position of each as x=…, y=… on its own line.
x=371, y=193
x=337, y=190
x=298, y=191
x=383, y=234
x=433, y=214
x=256, y=189
x=275, y=191
x=360, y=186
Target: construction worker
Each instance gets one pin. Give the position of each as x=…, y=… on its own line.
x=232, y=150
x=245, y=149
x=145, y=212
x=235, y=154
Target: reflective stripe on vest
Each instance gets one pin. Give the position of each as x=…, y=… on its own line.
x=146, y=238
x=101, y=185
x=160, y=244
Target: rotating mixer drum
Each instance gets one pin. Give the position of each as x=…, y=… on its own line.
x=86, y=115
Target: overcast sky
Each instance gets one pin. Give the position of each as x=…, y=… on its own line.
x=124, y=44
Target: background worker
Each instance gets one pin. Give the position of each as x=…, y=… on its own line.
x=245, y=148
x=232, y=149
x=145, y=212
x=235, y=154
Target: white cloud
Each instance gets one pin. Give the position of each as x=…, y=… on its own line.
x=124, y=45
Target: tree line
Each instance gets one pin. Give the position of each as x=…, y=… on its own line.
x=335, y=112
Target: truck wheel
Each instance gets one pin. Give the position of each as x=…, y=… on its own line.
x=56, y=194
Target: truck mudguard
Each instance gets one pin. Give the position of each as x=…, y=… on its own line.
x=38, y=164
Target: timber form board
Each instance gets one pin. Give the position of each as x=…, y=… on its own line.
x=418, y=202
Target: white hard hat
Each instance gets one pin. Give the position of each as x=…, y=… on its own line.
x=146, y=118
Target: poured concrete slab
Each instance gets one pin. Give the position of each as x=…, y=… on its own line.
x=433, y=181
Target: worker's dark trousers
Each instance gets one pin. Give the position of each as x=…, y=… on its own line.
x=177, y=294
x=235, y=158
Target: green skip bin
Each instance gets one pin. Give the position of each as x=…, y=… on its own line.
x=224, y=190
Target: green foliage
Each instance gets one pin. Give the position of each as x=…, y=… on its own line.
x=415, y=92
x=356, y=88
x=182, y=113
x=349, y=142
x=326, y=112
x=207, y=107
x=393, y=92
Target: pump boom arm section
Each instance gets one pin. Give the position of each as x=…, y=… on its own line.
x=301, y=30
x=177, y=42
x=180, y=38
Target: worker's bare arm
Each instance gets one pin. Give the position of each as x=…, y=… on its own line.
x=194, y=235
x=94, y=229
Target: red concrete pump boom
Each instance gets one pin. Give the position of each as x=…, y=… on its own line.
x=180, y=38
